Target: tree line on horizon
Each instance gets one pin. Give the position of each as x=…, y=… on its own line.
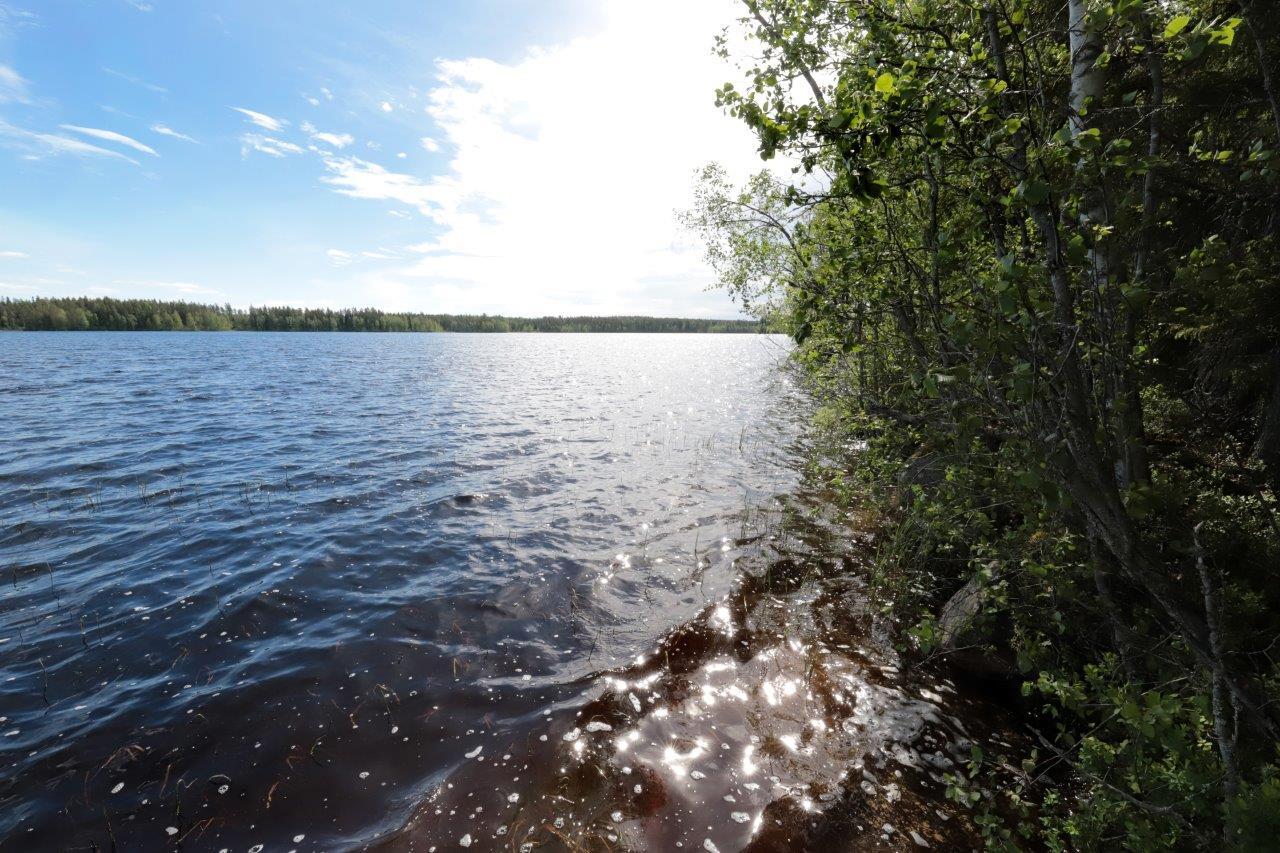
x=108, y=314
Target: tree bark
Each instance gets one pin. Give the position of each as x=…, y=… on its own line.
x=1267, y=447
x=1221, y=702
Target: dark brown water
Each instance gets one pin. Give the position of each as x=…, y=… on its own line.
x=326, y=592
x=777, y=719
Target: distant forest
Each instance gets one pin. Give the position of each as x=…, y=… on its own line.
x=104, y=314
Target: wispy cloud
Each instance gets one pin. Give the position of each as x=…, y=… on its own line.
x=188, y=288
x=137, y=81
x=267, y=145
x=37, y=144
x=337, y=140
x=13, y=88
x=13, y=19
x=342, y=257
x=111, y=136
x=386, y=107
x=430, y=144
x=185, y=288
x=12, y=255
x=357, y=178
x=262, y=120
x=141, y=5
x=116, y=111
x=165, y=130
x=334, y=140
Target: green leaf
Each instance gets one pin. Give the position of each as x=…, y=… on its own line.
x=1035, y=192
x=1227, y=35
x=1076, y=251
x=1176, y=26
x=1089, y=140
x=884, y=83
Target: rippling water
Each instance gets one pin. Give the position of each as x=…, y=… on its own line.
x=438, y=592
x=275, y=589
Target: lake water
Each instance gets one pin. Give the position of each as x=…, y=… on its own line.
x=297, y=571
x=274, y=592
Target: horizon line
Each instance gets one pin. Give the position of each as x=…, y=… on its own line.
x=304, y=307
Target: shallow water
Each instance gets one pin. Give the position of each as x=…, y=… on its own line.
x=274, y=589
x=779, y=718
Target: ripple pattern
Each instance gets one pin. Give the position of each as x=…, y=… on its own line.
x=257, y=588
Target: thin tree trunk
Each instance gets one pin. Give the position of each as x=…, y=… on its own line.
x=1264, y=64
x=1267, y=448
x=1221, y=701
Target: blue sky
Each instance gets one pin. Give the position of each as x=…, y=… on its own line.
x=509, y=156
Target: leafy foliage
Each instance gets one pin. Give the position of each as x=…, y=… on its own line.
x=1028, y=250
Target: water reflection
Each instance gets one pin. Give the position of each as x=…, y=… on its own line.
x=432, y=592
x=262, y=586
x=777, y=719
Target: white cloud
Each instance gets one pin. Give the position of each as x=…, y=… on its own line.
x=141, y=5
x=12, y=255
x=165, y=130
x=37, y=145
x=183, y=288
x=341, y=257
x=111, y=136
x=386, y=107
x=262, y=120
x=430, y=144
x=328, y=96
x=12, y=19
x=188, y=287
x=333, y=140
x=266, y=145
x=137, y=81
x=13, y=88
x=352, y=176
x=566, y=169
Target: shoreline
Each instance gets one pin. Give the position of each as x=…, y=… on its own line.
x=106, y=314
x=779, y=717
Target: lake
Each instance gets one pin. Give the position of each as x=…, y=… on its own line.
x=414, y=592
x=266, y=585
